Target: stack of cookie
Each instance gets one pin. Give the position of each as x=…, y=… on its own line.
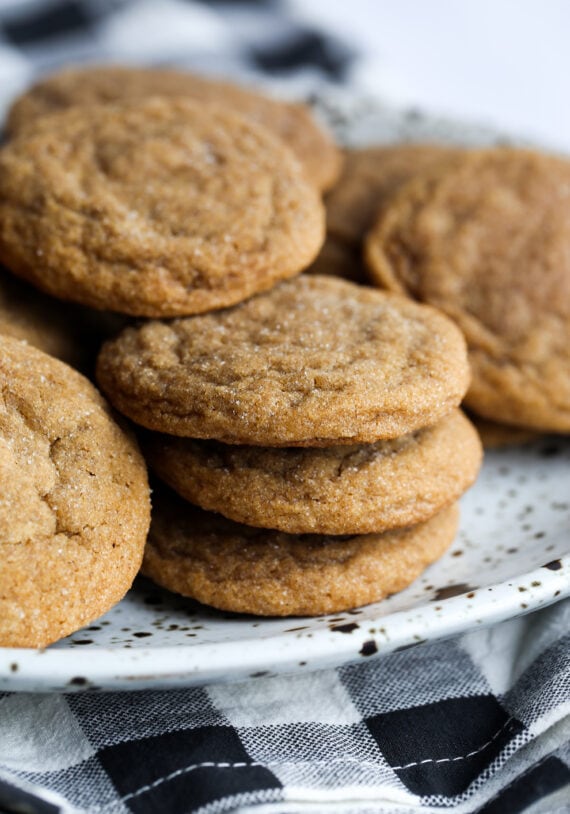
x=315, y=425
x=147, y=208
x=339, y=450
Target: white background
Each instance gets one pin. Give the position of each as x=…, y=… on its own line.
x=504, y=62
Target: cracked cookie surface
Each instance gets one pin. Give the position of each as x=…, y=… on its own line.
x=331, y=490
x=74, y=500
x=156, y=208
x=487, y=241
x=238, y=568
x=315, y=361
x=292, y=122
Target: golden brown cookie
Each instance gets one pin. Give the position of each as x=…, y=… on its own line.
x=68, y=332
x=268, y=573
x=487, y=240
x=369, y=178
x=314, y=362
x=45, y=323
x=103, y=85
x=158, y=208
x=494, y=435
x=74, y=500
x=331, y=490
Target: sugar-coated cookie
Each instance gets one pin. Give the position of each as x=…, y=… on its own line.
x=369, y=178
x=331, y=490
x=238, y=568
x=292, y=122
x=317, y=361
x=487, y=240
x=155, y=208
x=74, y=500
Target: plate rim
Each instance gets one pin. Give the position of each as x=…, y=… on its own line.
x=203, y=663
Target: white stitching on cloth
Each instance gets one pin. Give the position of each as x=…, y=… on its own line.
x=459, y=757
x=266, y=764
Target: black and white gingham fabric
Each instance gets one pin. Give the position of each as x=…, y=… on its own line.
x=250, y=40
x=478, y=724
x=475, y=724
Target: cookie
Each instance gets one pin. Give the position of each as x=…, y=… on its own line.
x=70, y=333
x=159, y=208
x=314, y=362
x=293, y=123
x=487, y=241
x=29, y=315
x=268, y=573
x=494, y=435
x=74, y=500
x=369, y=178
x=331, y=490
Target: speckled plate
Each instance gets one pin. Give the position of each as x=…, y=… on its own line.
x=511, y=555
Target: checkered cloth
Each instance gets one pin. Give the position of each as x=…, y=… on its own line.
x=477, y=724
x=250, y=40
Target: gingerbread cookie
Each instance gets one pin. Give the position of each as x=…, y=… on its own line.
x=29, y=315
x=158, y=208
x=74, y=505
x=69, y=332
x=269, y=573
x=314, y=362
x=332, y=490
x=487, y=240
x=293, y=123
x=369, y=178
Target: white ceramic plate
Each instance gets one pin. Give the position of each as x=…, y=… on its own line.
x=512, y=555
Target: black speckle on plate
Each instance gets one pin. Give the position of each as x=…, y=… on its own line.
x=346, y=628
x=368, y=648
x=78, y=681
x=555, y=565
x=453, y=590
